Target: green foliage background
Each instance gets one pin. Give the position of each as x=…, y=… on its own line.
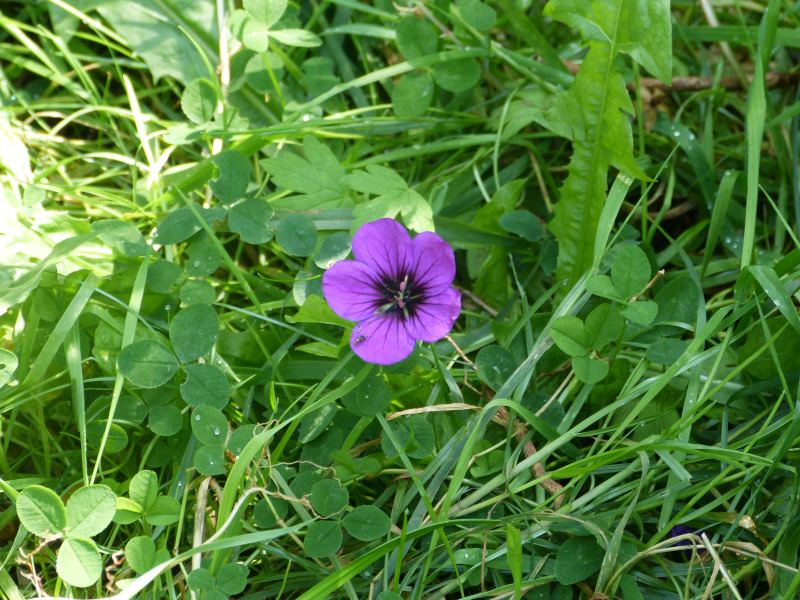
x=616, y=414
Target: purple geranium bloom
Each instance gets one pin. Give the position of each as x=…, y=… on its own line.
x=398, y=289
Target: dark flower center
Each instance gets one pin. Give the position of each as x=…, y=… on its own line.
x=399, y=294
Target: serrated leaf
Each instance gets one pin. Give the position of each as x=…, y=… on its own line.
x=41, y=511
x=593, y=111
x=630, y=271
x=79, y=562
x=193, y=332
x=394, y=198
x=182, y=224
x=316, y=310
x=249, y=220
x=140, y=552
x=329, y=497
x=318, y=176
x=90, y=510
x=366, y=523
x=642, y=313
x=233, y=178
x=569, y=334
x=323, y=538
x=205, y=385
x=147, y=363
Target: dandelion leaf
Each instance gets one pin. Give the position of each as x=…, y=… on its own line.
x=596, y=112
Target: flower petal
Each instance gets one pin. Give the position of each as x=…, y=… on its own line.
x=382, y=339
x=353, y=290
x=385, y=246
x=434, y=264
x=432, y=318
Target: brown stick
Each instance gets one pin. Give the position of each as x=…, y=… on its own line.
x=696, y=84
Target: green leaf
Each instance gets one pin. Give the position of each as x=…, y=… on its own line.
x=249, y=219
x=594, y=111
x=366, y=523
x=323, y=538
x=415, y=436
x=336, y=247
x=315, y=422
x=164, y=511
x=199, y=101
x=678, y=301
x=495, y=366
x=210, y=460
x=165, y=420
x=296, y=235
x=601, y=285
x=630, y=271
x=477, y=15
x=603, y=326
x=233, y=178
x=140, y=552
x=412, y=95
x=193, y=332
x=316, y=310
x=164, y=43
x=640, y=28
x=297, y=37
x=209, y=425
x=665, y=351
x=373, y=396
x=394, y=198
x=514, y=545
x=589, y=370
x=8, y=366
x=198, y=291
x=786, y=345
x=457, y=75
x=263, y=515
x=232, y=578
x=79, y=563
x=147, y=363
x=41, y=511
x=163, y=275
x=202, y=257
x=201, y=579
x=524, y=224
x=121, y=235
x=116, y=441
x=182, y=224
x=578, y=558
x=252, y=25
x=90, y=510
x=205, y=385
x=319, y=177
x=641, y=313
x=143, y=489
x=569, y=334
x=329, y=497
x=415, y=38
x=128, y=511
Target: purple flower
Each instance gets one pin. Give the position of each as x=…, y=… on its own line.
x=398, y=289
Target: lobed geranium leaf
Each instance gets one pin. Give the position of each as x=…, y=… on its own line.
x=319, y=177
x=394, y=198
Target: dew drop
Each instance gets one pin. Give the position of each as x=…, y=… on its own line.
x=211, y=462
x=167, y=307
x=196, y=263
x=366, y=396
x=197, y=417
x=216, y=430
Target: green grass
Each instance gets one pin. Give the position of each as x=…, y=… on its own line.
x=678, y=409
